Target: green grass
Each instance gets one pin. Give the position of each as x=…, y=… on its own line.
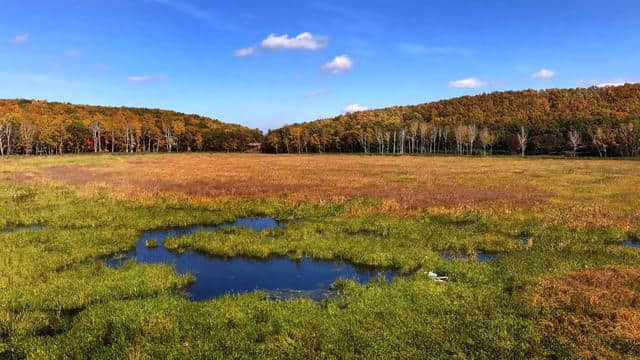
x=58, y=300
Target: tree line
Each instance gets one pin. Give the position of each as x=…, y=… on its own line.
x=41, y=127
x=584, y=121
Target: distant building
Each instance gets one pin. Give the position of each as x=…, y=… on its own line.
x=254, y=147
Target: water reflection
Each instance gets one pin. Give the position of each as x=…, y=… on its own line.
x=282, y=277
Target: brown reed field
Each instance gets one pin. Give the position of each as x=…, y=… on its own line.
x=576, y=193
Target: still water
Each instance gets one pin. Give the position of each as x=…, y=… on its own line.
x=281, y=277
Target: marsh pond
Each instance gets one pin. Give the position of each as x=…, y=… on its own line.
x=280, y=277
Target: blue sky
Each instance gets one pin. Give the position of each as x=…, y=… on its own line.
x=267, y=63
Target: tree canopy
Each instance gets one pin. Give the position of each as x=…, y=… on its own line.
x=41, y=127
x=587, y=121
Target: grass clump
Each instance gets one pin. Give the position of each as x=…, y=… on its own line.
x=603, y=307
x=151, y=244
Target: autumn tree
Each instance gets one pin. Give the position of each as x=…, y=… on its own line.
x=177, y=132
x=628, y=134
x=601, y=139
x=486, y=139
x=28, y=133
x=574, y=141
x=472, y=133
x=548, y=117
x=40, y=127
x=78, y=133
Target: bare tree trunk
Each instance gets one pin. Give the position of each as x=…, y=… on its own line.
x=95, y=132
x=363, y=142
x=574, y=139
x=473, y=134
x=168, y=137
x=522, y=139
x=7, y=132
x=1, y=135
x=394, y=141
x=28, y=132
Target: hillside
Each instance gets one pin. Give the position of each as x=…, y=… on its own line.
x=41, y=127
x=589, y=121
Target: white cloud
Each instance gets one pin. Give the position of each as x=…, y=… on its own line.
x=248, y=51
x=543, y=74
x=603, y=85
x=304, y=41
x=20, y=39
x=339, y=64
x=146, y=78
x=613, y=82
x=469, y=83
x=586, y=82
x=355, y=108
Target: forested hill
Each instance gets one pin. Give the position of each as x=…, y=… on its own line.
x=587, y=121
x=41, y=127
